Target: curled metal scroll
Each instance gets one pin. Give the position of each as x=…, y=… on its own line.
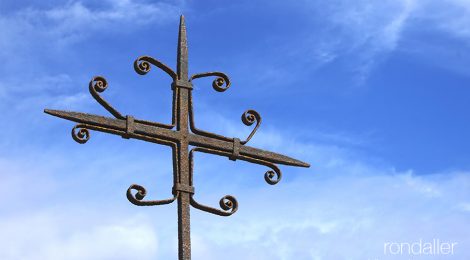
x=198, y=131
x=218, y=83
x=98, y=84
x=248, y=118
x=228, y=203
x=273, y=176
x=142, y=66
x=137, y=199
x=80, y=134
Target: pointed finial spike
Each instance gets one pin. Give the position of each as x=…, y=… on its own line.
x=182, y=62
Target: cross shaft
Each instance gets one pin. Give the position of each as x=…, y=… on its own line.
x=181, y=88
x=180, y=140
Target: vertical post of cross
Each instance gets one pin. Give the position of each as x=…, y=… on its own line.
x=182, y=87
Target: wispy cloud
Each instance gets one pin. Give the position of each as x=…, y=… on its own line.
x=51, y=234
x=35, y=41
x=76, y=20
x=451, y=16
x=31, y=37
x=362, y=34
x=344, y=217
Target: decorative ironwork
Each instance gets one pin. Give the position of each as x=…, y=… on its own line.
x=178, y=139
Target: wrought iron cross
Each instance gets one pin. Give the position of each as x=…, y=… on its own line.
x=184, y=141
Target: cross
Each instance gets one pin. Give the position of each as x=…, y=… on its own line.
x=184, y=140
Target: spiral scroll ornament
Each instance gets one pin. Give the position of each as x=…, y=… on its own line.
x=139, y=196
x=220, y=84
x=137, y=199
x=142, y=66
x=272, y=177
x=229, y=203
x=249, y=117
x=80, y=134
x=98, y=84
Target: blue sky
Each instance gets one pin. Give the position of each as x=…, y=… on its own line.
x=373, y=94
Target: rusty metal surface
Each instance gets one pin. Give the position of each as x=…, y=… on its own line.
x=186, y=134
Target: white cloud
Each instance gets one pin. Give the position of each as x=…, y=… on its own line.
x=75, y=20
x=372, y=23
x=58, y=89
x=54, y=206
x=348, y=216
x=53, y=234
x=31, y=37
x=364, y=33
x=465, y=206
x=451, y=16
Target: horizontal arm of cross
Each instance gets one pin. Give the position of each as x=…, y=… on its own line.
x=130, y=128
